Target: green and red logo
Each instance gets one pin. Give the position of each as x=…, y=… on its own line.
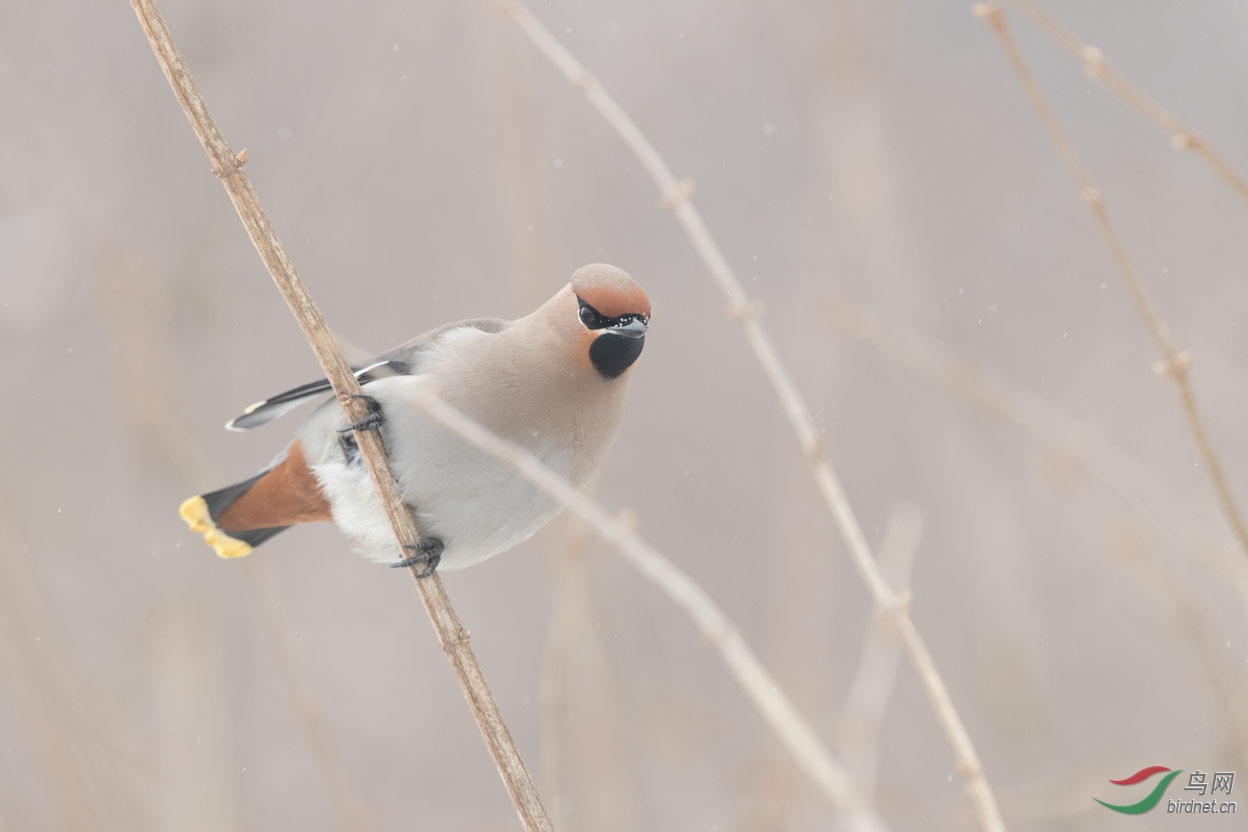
x=1153, y=798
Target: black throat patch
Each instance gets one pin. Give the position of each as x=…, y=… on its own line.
x=612, y=354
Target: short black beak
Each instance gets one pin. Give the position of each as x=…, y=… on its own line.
x=633, y=329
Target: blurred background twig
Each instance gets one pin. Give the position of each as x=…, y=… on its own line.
x=876, y=675
x=676, y=198
x=1096, y=66
x=715, y=627
x=1175, y=364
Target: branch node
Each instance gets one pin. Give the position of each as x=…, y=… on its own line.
x=582, y=81
x=989, y=13
x=1093, y=61
x=893, y=608
x=814, y=448
x=1090, y=195
x=1175, y=368
x=1187, y=141
x=751, y=310
x=235, y=164
x=627, y=519
x=678, y=195
x=714, y=637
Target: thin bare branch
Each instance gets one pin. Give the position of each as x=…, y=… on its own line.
x=228, y=166
x=676, y=198
x=1095, y=65
x=716, y=628
x=1175, y=364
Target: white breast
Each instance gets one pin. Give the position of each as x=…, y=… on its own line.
x=477, y=505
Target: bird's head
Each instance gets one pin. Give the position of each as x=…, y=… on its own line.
x=605, y=314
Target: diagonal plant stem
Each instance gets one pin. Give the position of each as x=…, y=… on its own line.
x=676, y=197
x=1175, y=364
x=452, y=636
x=876, y=676
x=776, y=709
x=1094, y=63
x=1110, y=486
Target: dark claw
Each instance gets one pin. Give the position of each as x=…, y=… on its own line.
x=430, y=550
x=372, y=420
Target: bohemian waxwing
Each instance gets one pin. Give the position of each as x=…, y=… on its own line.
x=554, y=382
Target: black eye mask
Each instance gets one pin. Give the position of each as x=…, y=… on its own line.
x=593, y=319
x=611, y=354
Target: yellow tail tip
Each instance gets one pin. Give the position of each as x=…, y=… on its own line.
x=195, y=512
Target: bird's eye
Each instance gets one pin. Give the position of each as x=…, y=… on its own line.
x=588, y=316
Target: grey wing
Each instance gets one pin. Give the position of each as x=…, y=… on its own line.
x=403, y=360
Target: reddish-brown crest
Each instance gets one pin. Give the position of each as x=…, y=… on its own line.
x=611, y=291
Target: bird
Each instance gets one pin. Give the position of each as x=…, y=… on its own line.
x=554, y=382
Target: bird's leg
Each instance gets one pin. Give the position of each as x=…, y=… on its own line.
x=372, y=420
x=429, y=552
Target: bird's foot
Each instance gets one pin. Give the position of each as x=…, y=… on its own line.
x=429, y=553
x=372, y=420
